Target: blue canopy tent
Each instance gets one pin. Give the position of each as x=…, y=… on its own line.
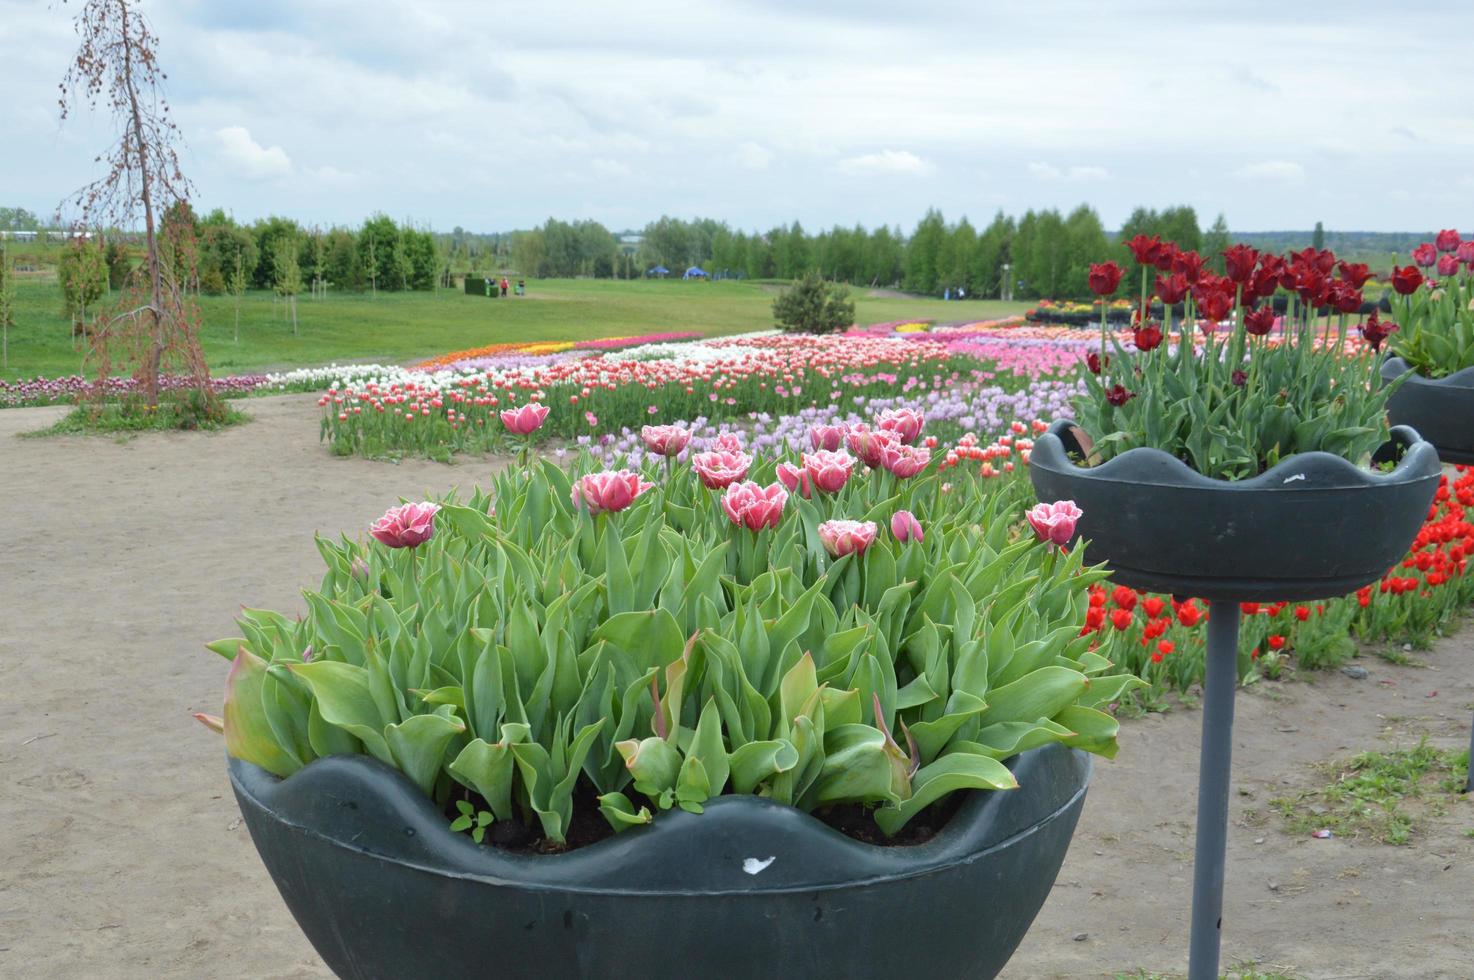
x=695, y=272
x=659, y=270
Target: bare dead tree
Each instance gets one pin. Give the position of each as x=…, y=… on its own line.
x=116, y=68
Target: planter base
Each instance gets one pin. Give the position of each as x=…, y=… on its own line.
x=749, y=888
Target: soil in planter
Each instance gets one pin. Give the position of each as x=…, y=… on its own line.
x=588, y=826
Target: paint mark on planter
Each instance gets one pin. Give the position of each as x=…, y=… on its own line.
x=1292, y=479
x=756, y=866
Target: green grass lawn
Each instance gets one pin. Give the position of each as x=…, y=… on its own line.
x=403, y=327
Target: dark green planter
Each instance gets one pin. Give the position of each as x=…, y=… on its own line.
x=1442, y=410
x=748, y=889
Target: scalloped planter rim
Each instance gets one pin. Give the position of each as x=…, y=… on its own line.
x=1441, y=409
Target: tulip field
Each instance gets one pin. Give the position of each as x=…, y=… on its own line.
x=964, y=397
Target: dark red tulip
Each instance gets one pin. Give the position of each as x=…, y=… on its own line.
x=1188, y=265
x=1144, y=249
x=1447, y=240
x=1238, y=378
x=1344, y=297
x=1314, y=288
x=1355, y=273
x=1425, y=254
x=1406, y=280
x=1095, y=362
x=1148, y=337
x=1259, y=322
x=1172, y=289
x=1265, y=282
x=1213, y=301
x=1376, y=330
x=1104, y=278
x=1166, y=255
x=1239, y=261
x=1117, y=395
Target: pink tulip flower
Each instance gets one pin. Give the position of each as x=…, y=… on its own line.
x=842, y=538
x=1465, y=252
x=828, y=437
x=905, y=527
x=526, y=420
x=608, y=492
x=754, y=507
x=795, y=479
x=829, y=471
x=904, y=461
x=719, y=469
x=867, y=443
x=1448, y=265
x=1425, y=254
x=1055, y=522
x=906, y=423
x=665, y=440
x=727, y=442
x=406, y=526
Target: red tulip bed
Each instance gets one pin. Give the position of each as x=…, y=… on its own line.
x=982, y=391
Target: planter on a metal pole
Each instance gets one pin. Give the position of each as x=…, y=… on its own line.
x=1314, y=526
x=750, y=888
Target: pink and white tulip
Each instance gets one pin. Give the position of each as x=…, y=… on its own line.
x=868, y=443
x=406, y=526
x=754, y=507
x=829, y=471
x=795, y=479
x=665, y=440
x=719, y=469
x=906, y=423
x=1055, y=522
x=904, y=461
x=727, y=442
x=828, y=437
x=905, y=527
x=842, y=538
x=608, y=492
x=526, y=420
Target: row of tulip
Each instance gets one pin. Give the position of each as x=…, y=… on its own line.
x=72, y=388
x=476, y=357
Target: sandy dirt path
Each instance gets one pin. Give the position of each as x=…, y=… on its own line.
x=122, y=854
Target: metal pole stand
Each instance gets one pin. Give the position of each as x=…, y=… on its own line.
x=1469, y=782
x=1213, y=775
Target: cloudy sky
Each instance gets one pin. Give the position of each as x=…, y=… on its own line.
x=495, y=116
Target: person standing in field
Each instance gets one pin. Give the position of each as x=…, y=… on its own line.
x=504, y=285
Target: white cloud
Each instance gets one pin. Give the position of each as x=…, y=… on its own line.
x=1283, y=170
x=249, y=160
x=1048, y=171
x=754, y=156
x=886, y=162
x=605, y=167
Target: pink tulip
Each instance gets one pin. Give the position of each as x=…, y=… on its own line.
x=608, y=492
x=665, y=440
x=795, y=480
x=842, y=538
x=727, y=442
x=829, y=437
x=406, y=526
x=1448, y=265
x=829, y=471
x=1425, y=254
x=868, y=444
x=526, y=420
x=1055, y=522
x=1447, y=240
x=719, y=469
x=905, y=527
x=906, y=423
x=754, y=507
x=1466, y=251
x=904, y=461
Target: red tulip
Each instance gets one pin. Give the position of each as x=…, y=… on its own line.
x=1406, y=280
x=1104, y=278
x=1448, y=265
x=1344, y=297
x=1259, y=322
x=1096, y=362
x=1166, y=255
x=1214, y=301
x=1425, y=254
x=1145, y=249
x=1465, y=252
x=1355, y=273
x=1118, y=396
x=1239, y=261
x=1375, y=330
x=1172, y=289
x=1147, y=338
x=1447, y=240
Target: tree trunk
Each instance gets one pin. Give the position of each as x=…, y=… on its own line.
x=145, y=185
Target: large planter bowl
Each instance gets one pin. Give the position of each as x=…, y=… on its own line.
x=750, y=888
x=1441, y=410
x=1312, y=527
